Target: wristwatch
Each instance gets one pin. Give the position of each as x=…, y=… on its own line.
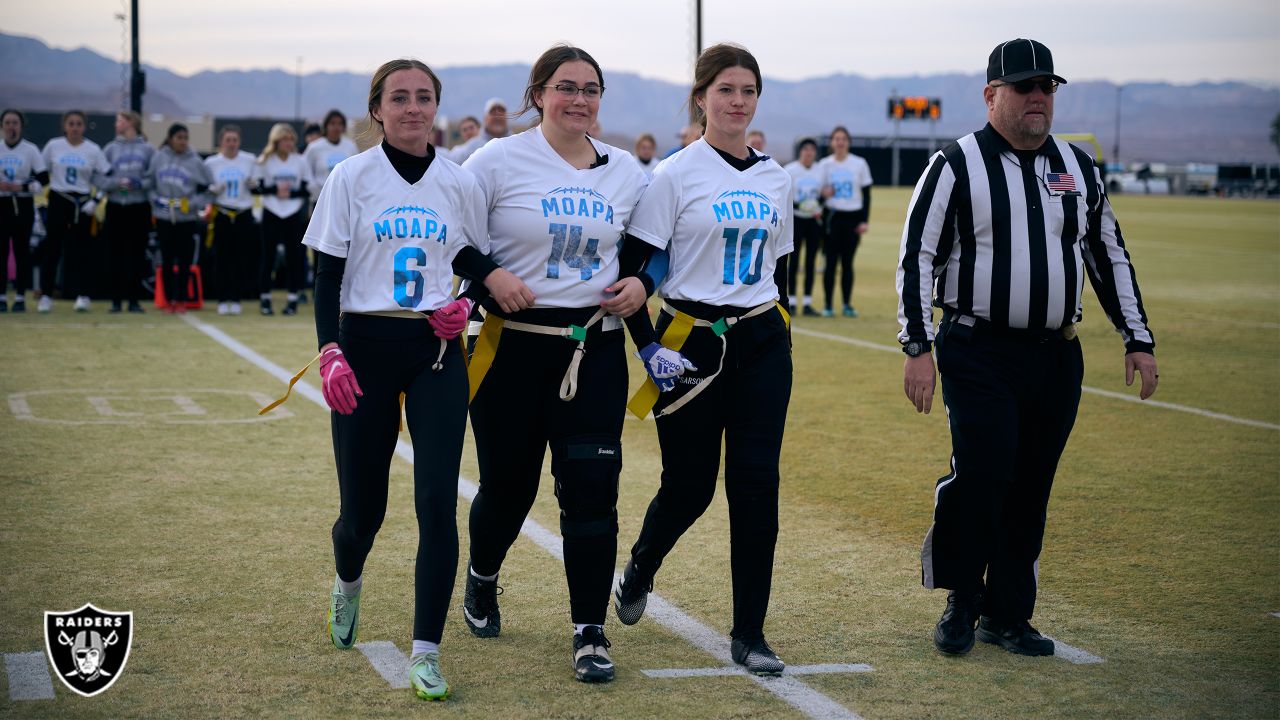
x=915, y=348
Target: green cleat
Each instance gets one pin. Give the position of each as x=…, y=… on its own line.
x=425, y=678
x=344, y=617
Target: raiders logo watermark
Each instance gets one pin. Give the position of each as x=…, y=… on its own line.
x=88, y=647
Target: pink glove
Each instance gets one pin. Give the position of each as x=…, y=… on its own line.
x=450, y=320
x=339, y=382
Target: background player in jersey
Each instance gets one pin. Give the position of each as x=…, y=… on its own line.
x=724, y=211
x=806, y=184
x=389, y=224
x=646, y=147
x=179, y=180
x=128, y=217
x=76, y=166
x=847, y=190
x=324, y=153
x=558, y=203
x=281, y=176
x=22, y=169
x=495, y=126
x=236, y=240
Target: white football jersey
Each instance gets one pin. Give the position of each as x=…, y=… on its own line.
x=847, y=178
x=233, y=175
x=18, y=163
x=72, y=167
x=724, y=229
x=323, y=156
x=806, y=185
x=292, y=170
x=649, y=167
x=555, y=227
x=399, y=239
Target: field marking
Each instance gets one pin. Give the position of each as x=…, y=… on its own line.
x=791, y=670
x=1275, y=614
x=387, y=659
x=1096, y=391
x=808, y=701
x=28, y=676
x=1073, y=654
x=99, y=401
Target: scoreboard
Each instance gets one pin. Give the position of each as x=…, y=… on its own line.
x=915, y=107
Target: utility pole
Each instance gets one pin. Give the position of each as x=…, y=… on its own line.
x=697, y=50
x=137, y=79
x=297, y=92
x=1115, y=149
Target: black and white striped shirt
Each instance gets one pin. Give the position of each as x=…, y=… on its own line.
x=1005, y=235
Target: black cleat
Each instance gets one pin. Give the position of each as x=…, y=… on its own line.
x=480, y=607
x=757, y=656
x=631, y=594
x=954, y=632
x=1016, y=636
x=291, y=308
x=810, y=312
x=20, y=305
x=591, y=661
x=266, y=308
x=115, y=308
x=134, y=307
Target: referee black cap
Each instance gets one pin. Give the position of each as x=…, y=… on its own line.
x=1020, y=59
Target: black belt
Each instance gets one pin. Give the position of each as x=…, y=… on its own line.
x=985, y=328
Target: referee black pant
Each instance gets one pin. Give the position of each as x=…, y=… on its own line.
x=745, y=407
x=1011, y=399
x=516, y=414
x=390, y=356
x=16, y=217
x=810, y=236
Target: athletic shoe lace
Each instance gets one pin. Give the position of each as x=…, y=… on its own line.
x=339, y=609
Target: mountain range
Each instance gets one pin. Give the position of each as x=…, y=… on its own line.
x=1159, y=122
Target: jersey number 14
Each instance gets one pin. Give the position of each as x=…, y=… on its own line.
x=566, y=241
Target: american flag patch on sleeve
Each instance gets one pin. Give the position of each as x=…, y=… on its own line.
x=1060, y=182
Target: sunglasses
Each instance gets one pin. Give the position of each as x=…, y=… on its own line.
x=1024, y=87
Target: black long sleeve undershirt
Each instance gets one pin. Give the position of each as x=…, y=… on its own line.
x=329, y=272
x=864, y=214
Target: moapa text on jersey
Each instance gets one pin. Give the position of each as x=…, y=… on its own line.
x=410, y=221
x=744, y=205
x=588, y=203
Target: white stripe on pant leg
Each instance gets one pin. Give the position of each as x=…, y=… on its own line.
x=926, y=552
x=28, y=676
x=387, y=659
x=795, y=693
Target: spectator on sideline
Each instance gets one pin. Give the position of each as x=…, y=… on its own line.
x=236, y=238
x=179, y=181
x=281, y=176
x=128, y=221
x=495, y=126
x=646, y=146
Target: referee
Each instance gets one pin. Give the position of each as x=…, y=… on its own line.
x=1000, y=231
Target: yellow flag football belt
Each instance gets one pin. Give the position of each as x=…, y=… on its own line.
x=674, y=337
x=486, y=348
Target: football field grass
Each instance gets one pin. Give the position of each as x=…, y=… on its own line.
x=134, y=474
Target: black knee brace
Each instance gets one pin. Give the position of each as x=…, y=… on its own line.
x=586, y=470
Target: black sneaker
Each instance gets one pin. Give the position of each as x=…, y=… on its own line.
x=266, y=308
x=19, y=305
x=631, y=594
x=757, y=656
x=115, y=308
x=810, y=312
x=480, y=606
x=954, y=632
x=291, y=308
x=1016, y=636
x=134, y=307
x=591, y=662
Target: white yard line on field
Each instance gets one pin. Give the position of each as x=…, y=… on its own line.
x=1073, y=654
x=387, y=659
x=822, y=669
x=808, y=701
x=1096, y=391
x=28, y=676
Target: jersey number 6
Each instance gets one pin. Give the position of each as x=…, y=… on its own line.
x=737, y=256
x=406, y=276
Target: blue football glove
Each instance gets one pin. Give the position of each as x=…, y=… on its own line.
x=664, y=365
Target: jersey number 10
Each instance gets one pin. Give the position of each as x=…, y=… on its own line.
x=737, y=256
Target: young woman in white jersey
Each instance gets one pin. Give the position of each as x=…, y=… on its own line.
x=558, y=203
x=646, y=146
x=179, y=182
x=76, y=166
x=806, y=184
x=281, y=176
x=128, y=220
x=236, y=241
x=391, y=227
x=324, y=153
x=723, y=212
x=22, y=170
x=847, y=192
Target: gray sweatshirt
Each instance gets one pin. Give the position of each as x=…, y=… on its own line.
x=176, y=178
x=129, y=161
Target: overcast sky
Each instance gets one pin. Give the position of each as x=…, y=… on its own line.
x=1173, y=40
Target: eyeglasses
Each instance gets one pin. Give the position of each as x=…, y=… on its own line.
x=1024, y=87
x=569, y=90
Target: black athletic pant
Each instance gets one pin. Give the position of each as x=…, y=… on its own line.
x=516, y=414
x=127, y=229
x=746, y=406
x=235, y=249
x=177, y=247
x=842, y=245
x=810, y=236
x=277, y=230
x=390, y=356
x=66, y=233
x=1011, y=400
x=16, y=217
